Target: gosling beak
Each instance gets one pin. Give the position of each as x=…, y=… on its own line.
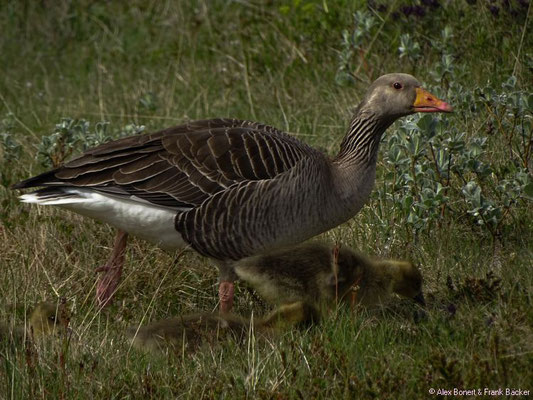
x=419, y=298
x=426, y=102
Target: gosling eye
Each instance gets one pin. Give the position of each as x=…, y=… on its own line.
x=52, y=319
x=397, y=85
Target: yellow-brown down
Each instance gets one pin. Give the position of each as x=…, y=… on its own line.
x=46, y=319
x=189, y=331
x=304, y=283
x=312, y=273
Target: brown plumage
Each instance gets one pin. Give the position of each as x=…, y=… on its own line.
x=229, y=188
x=182, y=166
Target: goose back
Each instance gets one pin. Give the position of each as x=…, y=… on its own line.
x=180, y=167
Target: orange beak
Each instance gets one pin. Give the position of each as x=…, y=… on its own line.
x=426, y=102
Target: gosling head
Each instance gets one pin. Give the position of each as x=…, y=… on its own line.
x=392, y=96
x=47, y=318
x=407, y=281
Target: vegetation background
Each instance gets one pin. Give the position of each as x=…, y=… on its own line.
x=453, y=192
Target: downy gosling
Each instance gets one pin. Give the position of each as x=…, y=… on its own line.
x=304, y=282
x=46, y=319
x=192, y=330
x=310, y=274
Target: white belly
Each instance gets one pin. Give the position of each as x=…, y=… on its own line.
x=147, y=221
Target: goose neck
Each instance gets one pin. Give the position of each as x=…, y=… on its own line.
x=354, y=168
x=361, y=142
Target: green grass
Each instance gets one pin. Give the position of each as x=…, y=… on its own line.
x=160, y=63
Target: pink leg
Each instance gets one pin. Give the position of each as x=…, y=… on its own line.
x=226, y=290
x=112, y=271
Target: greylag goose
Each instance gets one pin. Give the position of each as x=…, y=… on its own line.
x=320, y=275
x=192, y=330
x=44, y=320
x=228, y=188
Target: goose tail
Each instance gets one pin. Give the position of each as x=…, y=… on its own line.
x=53, y=196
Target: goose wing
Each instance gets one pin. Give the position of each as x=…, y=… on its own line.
x=182, y=166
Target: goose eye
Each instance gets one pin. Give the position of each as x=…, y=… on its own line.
x=397, y=85
x=52, y=318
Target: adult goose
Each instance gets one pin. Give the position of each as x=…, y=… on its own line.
x=225, y=187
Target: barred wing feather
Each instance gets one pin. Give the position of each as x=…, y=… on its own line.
x=181, y=167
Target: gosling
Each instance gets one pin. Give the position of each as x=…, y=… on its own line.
x=303, y=281
x=321, y=275
x=46, y=319
x=189, y=332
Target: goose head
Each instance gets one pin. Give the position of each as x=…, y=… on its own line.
x=392, y=96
